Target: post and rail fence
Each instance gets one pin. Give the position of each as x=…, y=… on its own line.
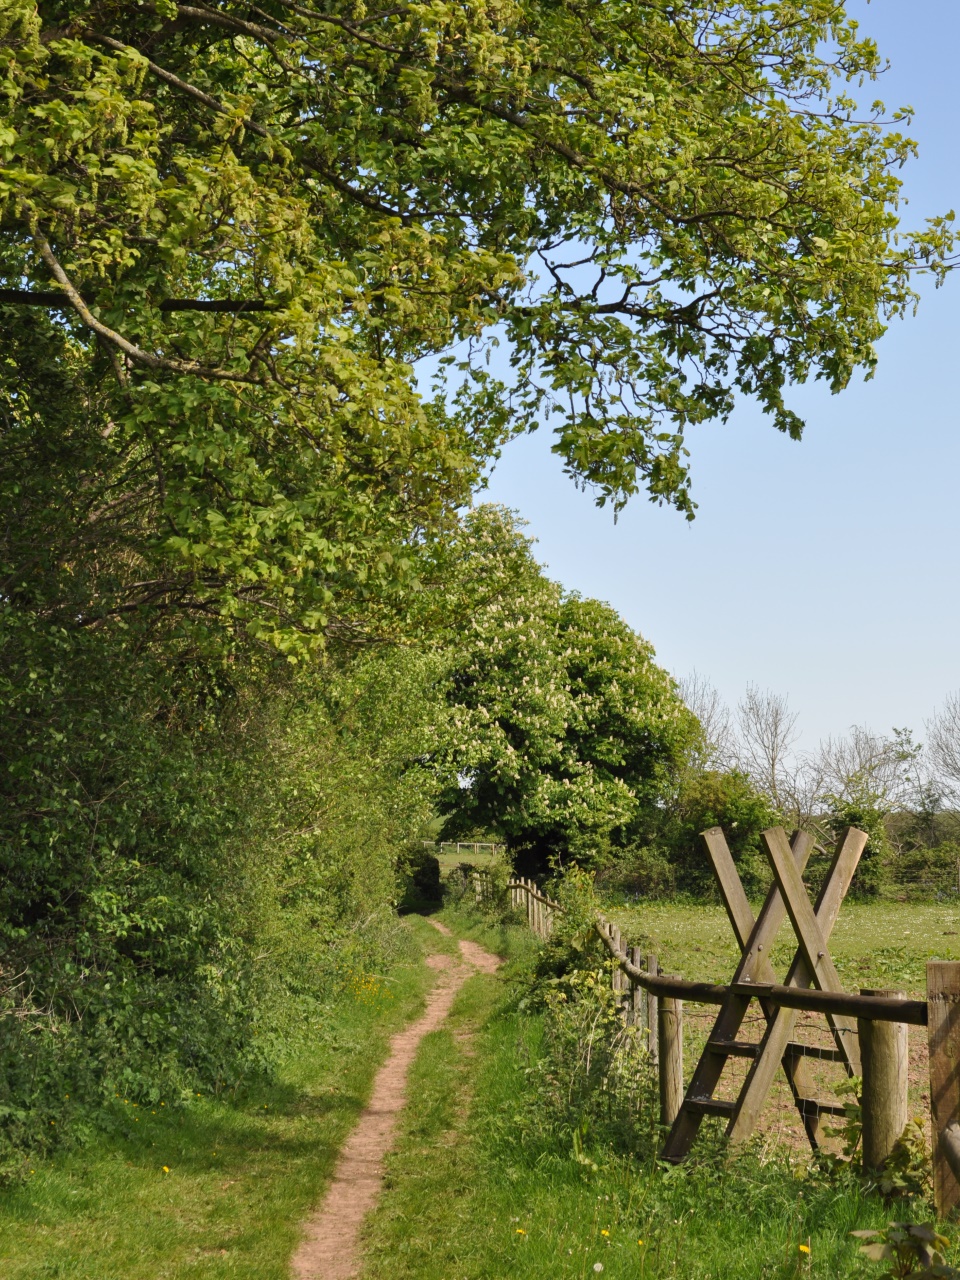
x=869, y=1027
x=494, y=850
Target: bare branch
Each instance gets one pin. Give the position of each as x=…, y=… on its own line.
x=768, y=729
x=714, y=716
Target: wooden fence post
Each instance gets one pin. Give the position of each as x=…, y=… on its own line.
x=943, y=1032
x=616, y=978
x=670, y=1031
x=637, y=993
x=653, y=1021
x=883, y=1102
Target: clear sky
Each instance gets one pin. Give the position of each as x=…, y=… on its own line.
x=826, y=569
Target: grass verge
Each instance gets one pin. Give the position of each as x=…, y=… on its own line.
x=216, y=1188
x=477, y=1191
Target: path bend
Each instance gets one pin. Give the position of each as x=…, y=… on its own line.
x=330, y=1248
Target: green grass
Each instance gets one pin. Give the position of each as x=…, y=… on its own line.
x=242, y=1174
x=475, y=1193
x=873, y=945
x=483, y=858
x=476, y=1190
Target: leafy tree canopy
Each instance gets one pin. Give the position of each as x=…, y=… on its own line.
x=241, y=225
x=564, y=731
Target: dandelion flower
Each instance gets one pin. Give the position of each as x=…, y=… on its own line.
x=804, y=1248
x=166, y=1168
x=604, y=1233
x=520, y=1231
x=640, y=1242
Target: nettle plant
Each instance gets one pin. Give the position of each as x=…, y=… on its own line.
x=908, y=1249
x=592, y=1085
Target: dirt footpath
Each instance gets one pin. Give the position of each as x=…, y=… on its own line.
x=330, y=1249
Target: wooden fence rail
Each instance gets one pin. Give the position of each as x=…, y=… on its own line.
x=869, y=1026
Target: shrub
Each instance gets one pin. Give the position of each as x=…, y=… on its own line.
x=645, y=872
x=715, y=799
x=421, y=877
x=591, y=1086
x=186, y=845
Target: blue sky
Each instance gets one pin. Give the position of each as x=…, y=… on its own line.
x=826, y=569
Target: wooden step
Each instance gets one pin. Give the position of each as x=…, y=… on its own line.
x=733, y=1048
x=709, y=1106
x=811, y=1051
x=814, y=1107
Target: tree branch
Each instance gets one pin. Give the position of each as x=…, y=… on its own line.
x=162, y=74
x=118, y=340
x=60, y=302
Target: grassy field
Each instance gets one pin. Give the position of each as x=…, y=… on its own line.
x=482, y=859
x=215, y=1188
x=881, y=945
x=471, y=1199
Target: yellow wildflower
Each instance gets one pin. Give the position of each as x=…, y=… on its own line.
x=804, y=1248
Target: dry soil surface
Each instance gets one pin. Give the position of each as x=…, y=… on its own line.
x=329, y=1249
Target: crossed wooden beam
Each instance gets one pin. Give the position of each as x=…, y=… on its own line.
x=811, y=967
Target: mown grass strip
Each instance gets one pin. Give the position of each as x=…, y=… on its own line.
x=217, y=1188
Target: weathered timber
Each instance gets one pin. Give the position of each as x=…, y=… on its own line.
x=949, y=1148
x=943, y=1037
x=638, y=997
x=755, y=938
x=846, y=1003
x=792, y=995
x=813, y=941
x=883, y=1098
x=670, y=1035
x=653, y=1042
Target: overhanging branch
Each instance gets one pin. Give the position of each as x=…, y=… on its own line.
x=61, y=302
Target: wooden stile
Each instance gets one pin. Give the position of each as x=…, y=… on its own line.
x=650, y=1000
x=811, y=966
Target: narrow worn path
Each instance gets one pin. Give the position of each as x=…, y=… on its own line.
x=330, y=1249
